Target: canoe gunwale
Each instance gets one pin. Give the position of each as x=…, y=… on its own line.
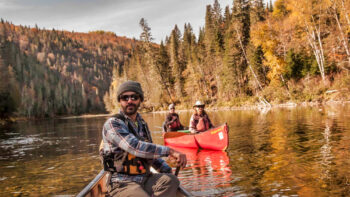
x=182, y=192
x=87, y=189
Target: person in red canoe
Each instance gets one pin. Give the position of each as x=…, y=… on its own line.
x=172, y=121
x=199, y=120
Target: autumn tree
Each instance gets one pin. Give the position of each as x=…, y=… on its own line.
x=312, y=16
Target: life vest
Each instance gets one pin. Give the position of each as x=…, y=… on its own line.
x=202, y=124
x=124, y=162
x=175, y=125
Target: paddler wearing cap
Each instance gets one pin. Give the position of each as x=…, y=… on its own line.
x=128, y=151
x=199, y=121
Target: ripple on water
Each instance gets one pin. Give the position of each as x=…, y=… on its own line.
x=17, y=147
x=22, y=140
x=281, y=153
x=3, y=178
x=10, y=166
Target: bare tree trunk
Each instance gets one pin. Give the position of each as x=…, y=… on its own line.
x=344, y=39
x=245, y=56
x=285, y=85
x=345, y=12
x=314, y=38
x=251, y=69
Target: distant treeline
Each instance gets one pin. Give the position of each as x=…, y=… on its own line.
x=44, y=73
x=295, y=50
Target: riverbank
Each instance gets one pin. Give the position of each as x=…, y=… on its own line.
x=261, y=106
x=7, y=121
x=85, y=116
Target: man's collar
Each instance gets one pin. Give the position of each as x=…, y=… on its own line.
x=138, y=116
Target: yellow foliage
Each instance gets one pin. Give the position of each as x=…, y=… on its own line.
x=280, y=9
x=263, y=35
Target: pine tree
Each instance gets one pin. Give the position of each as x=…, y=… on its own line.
x=240, y=28
x=270, y=6
x=146, y=35
x=257, y=61
x=227, y=18
x=175, y=62
x=218, y=27
x=258, y=11
x=162, y=61
x=209, y=35
x=8, y=90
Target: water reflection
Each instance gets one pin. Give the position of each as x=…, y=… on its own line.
x=301, y=151
x=207, y=172
x=326, y=151
x=48, y=157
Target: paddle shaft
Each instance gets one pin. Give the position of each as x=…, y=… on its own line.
x=177, y=170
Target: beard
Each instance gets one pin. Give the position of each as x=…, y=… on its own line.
x=130, y=108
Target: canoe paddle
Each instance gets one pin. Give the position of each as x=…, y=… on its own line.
x=177, y=170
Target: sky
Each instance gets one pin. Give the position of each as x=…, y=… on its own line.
x=119, y=16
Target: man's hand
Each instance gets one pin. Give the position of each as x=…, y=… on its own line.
x=180, y=158
x=193, y=131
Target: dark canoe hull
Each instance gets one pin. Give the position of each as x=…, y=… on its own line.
x=212, y=139
x=98, y=187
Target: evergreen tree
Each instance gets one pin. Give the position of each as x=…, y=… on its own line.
x=209, y=36
x=235, y=48
x=175, y=61
x=270, y=6
x=8, y=91
x=227, y=18
x=257, y=11
x=257, y=61
x=146, y=35
x=218, y=28
x=167, y=80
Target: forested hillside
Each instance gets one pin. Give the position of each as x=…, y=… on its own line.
x=295, y=50
x=49, y=72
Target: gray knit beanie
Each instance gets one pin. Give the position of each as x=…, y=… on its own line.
x=130, y=86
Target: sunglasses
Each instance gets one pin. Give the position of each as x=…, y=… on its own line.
x=133, y=97
x=200, y=106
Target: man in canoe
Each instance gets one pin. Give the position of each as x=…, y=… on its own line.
x=128, y=151
x=199, y=121
x=172, y=121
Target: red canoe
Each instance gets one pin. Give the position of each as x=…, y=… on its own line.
x=180, y=139
x=212, y=139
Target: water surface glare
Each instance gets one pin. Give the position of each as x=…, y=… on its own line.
x=303, y=151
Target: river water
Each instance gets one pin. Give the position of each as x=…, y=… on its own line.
x=302, y=151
